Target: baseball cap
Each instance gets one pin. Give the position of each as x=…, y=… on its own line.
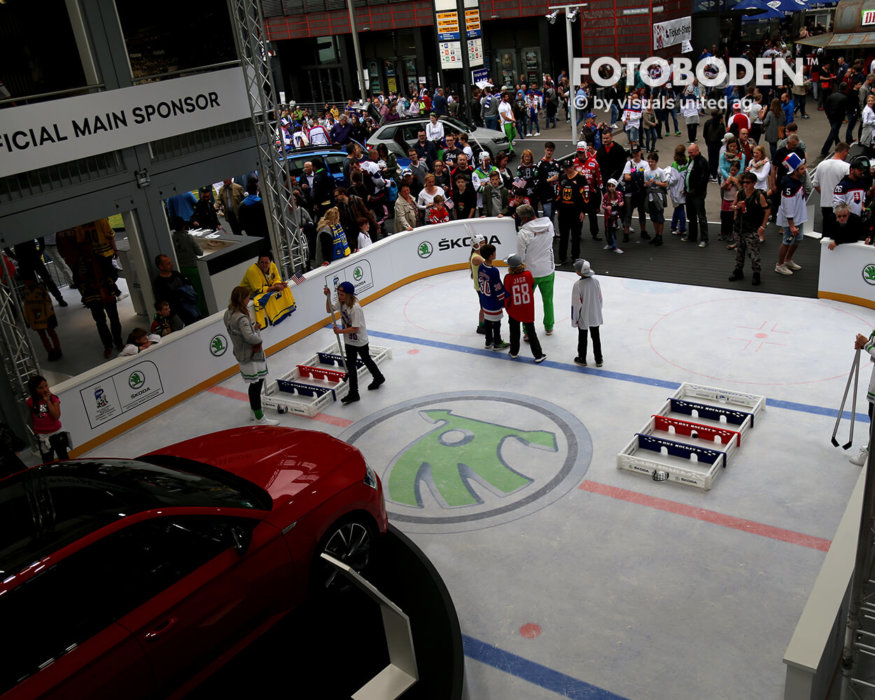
x=581, y=145
x=583, y=268
x=514, y=260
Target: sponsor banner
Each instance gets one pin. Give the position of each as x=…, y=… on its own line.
x=868, y=18
x=120, y=392
x=675, y=31
x=48, y=133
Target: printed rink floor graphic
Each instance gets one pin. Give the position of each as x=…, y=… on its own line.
x=572, y=578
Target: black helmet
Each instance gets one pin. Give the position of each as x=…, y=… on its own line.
x=861, y=163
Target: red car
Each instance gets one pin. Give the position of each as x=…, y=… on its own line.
x=137, y=578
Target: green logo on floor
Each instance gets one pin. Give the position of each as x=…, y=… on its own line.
x=473, y=459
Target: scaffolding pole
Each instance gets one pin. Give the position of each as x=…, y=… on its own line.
x=287, y=239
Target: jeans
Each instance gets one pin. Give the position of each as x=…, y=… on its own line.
x=650, y=137
x=679, y=219
x=852, y=122
x=547, y=208
x=800, y=104
x=534, y=126
x=697, y=219
x=633, y=202
x=491, y=122
x=545, y=286
x=615, y=112
x=529, y=329
x=596, y=343
x=353, y=351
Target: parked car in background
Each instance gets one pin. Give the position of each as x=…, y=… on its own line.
x=135, y=578
x=399, y=135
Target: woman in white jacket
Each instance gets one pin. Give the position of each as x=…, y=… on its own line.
x=866, y=136
x=586, y=312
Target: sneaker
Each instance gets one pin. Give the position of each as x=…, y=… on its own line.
x=580, y=361
x=481, y=330
x=614, y=125
x=377, y=383
x=686, y=239
x=501, y=345
x=713, y=179
x=677, y=133
x=703, y=244
x=61, y=302
x=783, y=270
x=736, y=275
x=805, y=116
x=107, y=353
x=537, y=133
x=513, y=355
x=264, y=420
x=597, y=237
x=657, y=241
x=539, y=360
x=645, y=236
x=756, y=279
x=861, y=458
x=607, y=247
x=549, y=331
x=525, y=338
x=488, y=346
x=618, y=250
x=599, y=363
x=674, y=232
x=792, y=265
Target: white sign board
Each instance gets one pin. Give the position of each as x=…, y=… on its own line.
x=675, y=31
x=38, y=135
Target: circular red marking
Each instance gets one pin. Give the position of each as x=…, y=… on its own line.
x=761, y=335
x=412, y=352
x=530, y=630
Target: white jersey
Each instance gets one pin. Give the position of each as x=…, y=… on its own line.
x=352, y=317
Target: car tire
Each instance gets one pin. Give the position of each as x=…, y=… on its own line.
x=352, y=540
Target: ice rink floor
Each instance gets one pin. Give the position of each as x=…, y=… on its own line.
x=572, y=578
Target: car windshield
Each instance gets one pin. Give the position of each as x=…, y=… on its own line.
x=460, y=126
x=50, y=506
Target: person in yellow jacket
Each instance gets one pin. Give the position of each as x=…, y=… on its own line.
x=271, y=296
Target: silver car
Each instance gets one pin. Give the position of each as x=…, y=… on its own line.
x=401, y=134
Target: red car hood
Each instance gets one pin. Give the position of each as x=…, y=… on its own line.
x=282, y=461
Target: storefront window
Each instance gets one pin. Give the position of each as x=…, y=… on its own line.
x=27, y=29
x=166, y=35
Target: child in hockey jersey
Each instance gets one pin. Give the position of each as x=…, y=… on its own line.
x=867, y=345
x=364, y=239
x=520, y=305
x=612, y=204
x=791, y=214
x=729, y=191
x=437, y=213
x=491, y=298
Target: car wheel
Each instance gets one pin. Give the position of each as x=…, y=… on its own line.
x=352, y=541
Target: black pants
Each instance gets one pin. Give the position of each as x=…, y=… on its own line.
x=713, y=157
x=569, y=225
x=829, y=218
x=596, y=343
x=112, y=333
x=354, y=351
x=692, y=130
x=255, y=395
x=58, y=445
x=493, y=332
x=592, y=212
x=697, y=220
x=529, y=329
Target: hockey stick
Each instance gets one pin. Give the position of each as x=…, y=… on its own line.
x=854, y=364
x=856, y=369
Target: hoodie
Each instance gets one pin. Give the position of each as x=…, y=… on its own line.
x=535, y=246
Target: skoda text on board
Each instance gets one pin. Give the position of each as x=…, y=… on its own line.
x=23, y=139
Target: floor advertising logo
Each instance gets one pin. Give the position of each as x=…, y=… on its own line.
x=472, y=460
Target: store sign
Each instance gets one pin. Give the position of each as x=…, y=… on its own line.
x=673, y=32
x=447, y=26
x=868, y=18
x=48, y=133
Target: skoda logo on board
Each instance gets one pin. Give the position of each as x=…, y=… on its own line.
x=471, y=460
x=425, y=249
x=357, y=274
x=136, y=380
x=869, y=274
x=218, y=345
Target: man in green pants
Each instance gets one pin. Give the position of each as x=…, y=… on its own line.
x=535, y=247
x=508, y=123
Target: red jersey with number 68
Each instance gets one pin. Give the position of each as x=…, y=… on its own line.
x=519, y=300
